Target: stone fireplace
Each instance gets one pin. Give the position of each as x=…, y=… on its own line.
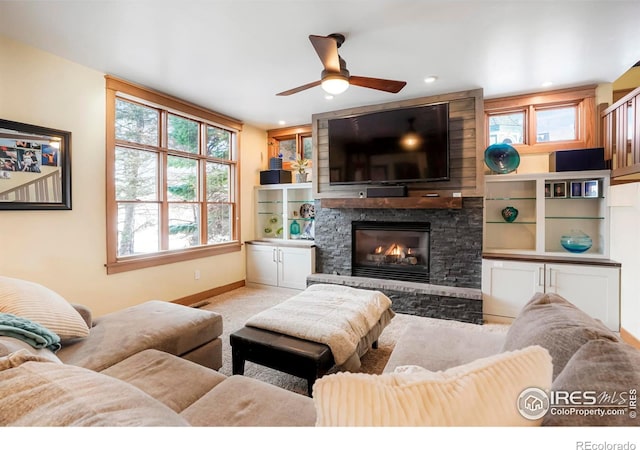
x=448, y=250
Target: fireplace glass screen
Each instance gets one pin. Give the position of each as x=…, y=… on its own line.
x=391, y=250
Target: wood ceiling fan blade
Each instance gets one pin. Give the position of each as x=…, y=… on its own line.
x=300, y=88
x=380, y=84
x=327, y=49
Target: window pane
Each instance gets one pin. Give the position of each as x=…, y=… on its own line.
x=182, y=134
x=184, y=225
x=557, y=124
x=218, y=223
x=288, y=149
x=218, y=182
x=136, y=123
x=218, y=143
x=307, y=147
x=136, y=175
x=182, y=179
x=138, y=230
x=507, y=128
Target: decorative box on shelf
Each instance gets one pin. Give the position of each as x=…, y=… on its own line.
x=275, y=176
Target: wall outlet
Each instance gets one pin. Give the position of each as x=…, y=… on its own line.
x=196, y=274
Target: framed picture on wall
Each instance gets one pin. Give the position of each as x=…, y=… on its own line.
x=35, y=167
x=547, y=189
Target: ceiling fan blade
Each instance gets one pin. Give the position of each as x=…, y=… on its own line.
x=392, y=86
x=327, y=49
x=300, y=88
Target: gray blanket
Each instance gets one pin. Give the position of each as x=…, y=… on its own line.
x=28, y=331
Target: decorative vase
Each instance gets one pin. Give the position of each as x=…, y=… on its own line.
x=294, y=229
x=275, y=163
x=501, y=158
x=576, y=241
x=509, y=214
x=301, y=177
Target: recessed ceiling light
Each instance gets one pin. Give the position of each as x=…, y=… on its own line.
x=281, y=122
x=430, y=79
x=547, y=84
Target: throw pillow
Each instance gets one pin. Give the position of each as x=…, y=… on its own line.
x=42, y=305
x=609, y=371
x=481, y=393
x=556, y=324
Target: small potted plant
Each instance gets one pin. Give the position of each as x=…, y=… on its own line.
x=300, y=167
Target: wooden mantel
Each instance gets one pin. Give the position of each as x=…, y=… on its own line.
x=394, y=203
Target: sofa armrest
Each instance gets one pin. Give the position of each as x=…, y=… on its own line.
x=84, y=312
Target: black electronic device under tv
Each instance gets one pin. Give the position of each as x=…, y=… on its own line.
x=406, y=145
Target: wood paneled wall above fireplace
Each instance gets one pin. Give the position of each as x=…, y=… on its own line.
x=466, y=128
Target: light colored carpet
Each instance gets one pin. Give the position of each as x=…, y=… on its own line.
x=240, y=304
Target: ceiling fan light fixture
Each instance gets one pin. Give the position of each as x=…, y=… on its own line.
x=335, y=84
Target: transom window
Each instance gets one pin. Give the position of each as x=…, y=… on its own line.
x=543, y=122
x=172, y=194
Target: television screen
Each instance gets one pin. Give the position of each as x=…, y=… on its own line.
x=393, y=146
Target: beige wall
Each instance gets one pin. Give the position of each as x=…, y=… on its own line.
x=628, y=80
x=65, y=250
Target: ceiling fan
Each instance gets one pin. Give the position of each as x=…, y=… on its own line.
x=335, y=77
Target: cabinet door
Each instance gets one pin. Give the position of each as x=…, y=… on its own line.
x=262, y=266
x=593, y=289
x=508, y=285
x=294, y=264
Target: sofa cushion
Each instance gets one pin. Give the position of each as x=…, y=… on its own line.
x=42, y=305
x=9, y=345
x=50, y=394
x=551, y=321
x=170, y=379
x=446, y=347
x=156, y=324
x=483, y=392
x=607, y=369
x=243, y=401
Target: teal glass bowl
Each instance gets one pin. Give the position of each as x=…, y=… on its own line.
x=501, y=158
x=576, y=242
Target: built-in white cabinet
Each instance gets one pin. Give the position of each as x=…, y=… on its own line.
x=508, y=284
x=546, y=206
x=279, y=264
x=284, y=253
x=278, y=206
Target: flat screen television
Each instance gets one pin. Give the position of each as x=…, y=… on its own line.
x=406, y=145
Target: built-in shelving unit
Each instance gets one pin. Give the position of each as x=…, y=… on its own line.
x=549, y=206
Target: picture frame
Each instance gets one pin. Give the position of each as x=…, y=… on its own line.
x=576, y=189
x=591, y=189
x=35, y=167
x=547, y=190
x=559, y=189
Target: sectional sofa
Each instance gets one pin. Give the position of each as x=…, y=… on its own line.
x=153, y=365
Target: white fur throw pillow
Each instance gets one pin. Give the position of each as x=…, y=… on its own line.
x=42, y=305
x=481, y=393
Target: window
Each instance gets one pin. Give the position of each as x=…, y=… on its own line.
x=543, y=122
x=292, y=143
x=173, y=186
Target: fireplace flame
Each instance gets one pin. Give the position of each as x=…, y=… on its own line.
x=395, y=250
x=378, y=250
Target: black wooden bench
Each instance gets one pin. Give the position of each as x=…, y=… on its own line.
x=305, y=359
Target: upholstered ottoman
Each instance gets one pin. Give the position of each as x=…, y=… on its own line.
x=298, y=357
